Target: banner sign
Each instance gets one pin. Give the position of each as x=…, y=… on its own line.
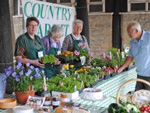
x=49, y=14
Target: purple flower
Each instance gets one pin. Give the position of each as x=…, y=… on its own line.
x=37, y=70
x=28, y=72
x=17, y=79
x=37, y=75
x=21, y=72
x=31, y=77
x=32, y=67
x=10, y=68
x=14, y=74
x=19, y=65
x=8, y=71
x=27, y=64
x=76, y=52
x=19, y=61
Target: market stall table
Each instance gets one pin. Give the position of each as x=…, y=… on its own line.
x=109, y=88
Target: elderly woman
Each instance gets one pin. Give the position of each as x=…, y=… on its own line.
x=71, y=42
x=52, y=46
x=29, y=46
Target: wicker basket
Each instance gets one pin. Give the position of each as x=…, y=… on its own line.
x=131, y=96
x=7, y=103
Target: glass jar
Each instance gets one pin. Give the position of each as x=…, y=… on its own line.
x=55, y=102
x=63, y=99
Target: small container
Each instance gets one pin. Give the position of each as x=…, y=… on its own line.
x=47, y=96
x=63, y=99
x=55, y=102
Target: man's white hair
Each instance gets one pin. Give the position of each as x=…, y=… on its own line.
x=134, y=25
x=55, y=30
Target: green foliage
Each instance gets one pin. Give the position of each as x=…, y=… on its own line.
x=84, y=52
x=48, y=59
x=63, y=84
x=99, y=62
x=126, y=107
x=113, y=63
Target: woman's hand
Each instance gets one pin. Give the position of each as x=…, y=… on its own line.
x=33, y=62
x=57, y=62
x=37, y=63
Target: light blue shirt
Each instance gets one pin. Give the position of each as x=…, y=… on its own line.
x=140, y=51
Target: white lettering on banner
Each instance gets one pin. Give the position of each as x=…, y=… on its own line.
x=49, y=14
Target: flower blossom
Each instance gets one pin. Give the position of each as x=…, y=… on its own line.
x=80, y=44
x=14, y=74
x=19, y=64
x=28, y=72
x=84, y=46
x=37, y=70
x=17, y=78
x=27, y=64
x=103, y=54
x=76, y=52
x=21, y=72
x=8, y=71
x=91, y=53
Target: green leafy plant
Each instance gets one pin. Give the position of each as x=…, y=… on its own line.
x=48, y=59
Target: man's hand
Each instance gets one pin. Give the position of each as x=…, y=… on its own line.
x=120, y=69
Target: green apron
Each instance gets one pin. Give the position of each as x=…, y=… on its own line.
x=77, y=64
x=33, y=49
x=52, y=70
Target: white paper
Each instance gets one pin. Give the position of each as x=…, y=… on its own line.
x=83, y=60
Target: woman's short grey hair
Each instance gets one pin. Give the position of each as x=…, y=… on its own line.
x=55, y=30
x=134, y=25
x=77, y=21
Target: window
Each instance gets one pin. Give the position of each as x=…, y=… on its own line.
x=65, y=1
x=52, y=1
x=138, y=5
x=96, y=6
x=95, y=0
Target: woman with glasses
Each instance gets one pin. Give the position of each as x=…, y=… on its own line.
x=29, y=47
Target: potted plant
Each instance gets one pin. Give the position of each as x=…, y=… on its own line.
x=48, y=59
x=23, y=79
x=66, y=57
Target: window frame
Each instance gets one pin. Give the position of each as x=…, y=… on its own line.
x=138, y=1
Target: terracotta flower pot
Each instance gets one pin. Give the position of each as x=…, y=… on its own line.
x=23, y=96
